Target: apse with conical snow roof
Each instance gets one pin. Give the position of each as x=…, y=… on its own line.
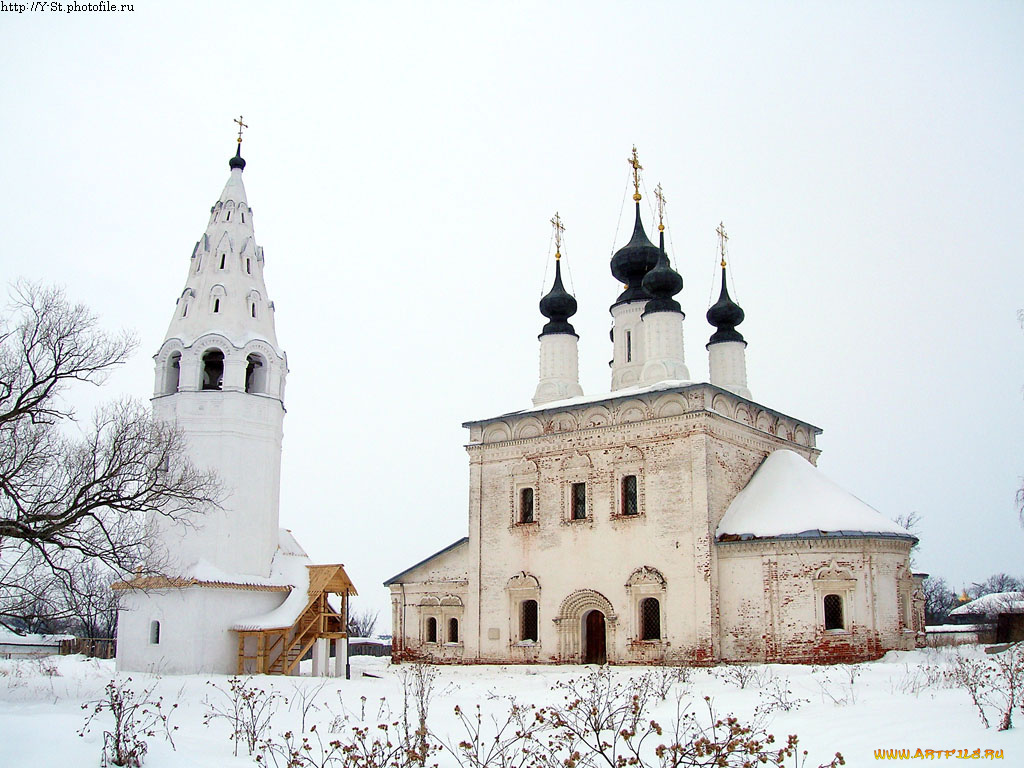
x=220, y=377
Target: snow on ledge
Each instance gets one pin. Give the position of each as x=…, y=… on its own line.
x=789, y=497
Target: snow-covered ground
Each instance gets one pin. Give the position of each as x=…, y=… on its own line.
x=888, y=706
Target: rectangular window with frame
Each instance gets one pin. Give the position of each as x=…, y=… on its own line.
x=579, y=501
x=526, y=505
x=629, y=498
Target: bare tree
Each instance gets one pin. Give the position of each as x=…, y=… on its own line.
x=88, y=600
x=939, y=600
x=912, y=522
x=999, y=582
x=362, y=623
x=70, y=494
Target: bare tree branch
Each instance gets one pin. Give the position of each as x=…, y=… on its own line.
x=67, y=500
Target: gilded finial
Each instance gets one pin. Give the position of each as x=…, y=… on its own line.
x=556, y=222
x=241, y=125
x=660, y=194
x=634, y=163
x=722, y=240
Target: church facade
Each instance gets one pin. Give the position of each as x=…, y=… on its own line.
x=667, y=521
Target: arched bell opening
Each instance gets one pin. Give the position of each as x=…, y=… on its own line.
x=213, y=370
x=172, y=374
x=255, y=374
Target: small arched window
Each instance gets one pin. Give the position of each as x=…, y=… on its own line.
x=248, y=266
x=172, y=373
x=255, y=374
x=223, y=260
x=228, y=217
x=213, y=369
x=650, y=619
x=154, y=633
x=184, y=310
x=833, y=609
x=453, y=630
x=528, y=620
x=199, y=262
x=431, y=630
x=243, y=217
x=216, y=306
x=252, y=309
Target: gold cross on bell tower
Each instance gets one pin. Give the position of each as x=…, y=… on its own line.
x=722, y=240
x=241, y=125
x=634, y=163
x=660, y=195
x=556, y=222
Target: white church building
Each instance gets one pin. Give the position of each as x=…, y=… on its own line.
x=237, y=593
x=665, y=520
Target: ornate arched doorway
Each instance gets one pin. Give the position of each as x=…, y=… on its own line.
x=594, y=638
x=586, y=628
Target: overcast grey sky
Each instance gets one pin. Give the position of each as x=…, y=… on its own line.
x=404, y=160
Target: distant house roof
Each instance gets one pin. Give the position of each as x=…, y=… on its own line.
x=992, y=605
x=788, y=497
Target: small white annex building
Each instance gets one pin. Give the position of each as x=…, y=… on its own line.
x=665, y=520
x=238, y=593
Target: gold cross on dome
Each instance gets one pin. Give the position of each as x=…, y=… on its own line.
x=722, y=240
x=634, y=163
x=241, y=125
x=556, y=222
x=660, y=195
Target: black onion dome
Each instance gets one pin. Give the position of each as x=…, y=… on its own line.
x=662, y=283
x=725, y=314
x=237, y=161
x=558, y=305
x=634, y=260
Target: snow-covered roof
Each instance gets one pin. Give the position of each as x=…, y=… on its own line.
x=790, y=497
x=995, y=603
x=290, y=566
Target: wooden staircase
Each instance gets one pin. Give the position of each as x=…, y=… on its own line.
x=278, y=651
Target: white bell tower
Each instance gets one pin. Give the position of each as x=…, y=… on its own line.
x=220, y=376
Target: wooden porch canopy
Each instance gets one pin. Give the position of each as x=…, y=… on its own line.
x=278, y=650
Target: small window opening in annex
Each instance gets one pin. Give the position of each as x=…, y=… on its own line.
x=154, y=633
x=223, y=259
x=213, y=369
x=431, y=630
x=650, y=619
x=453, y=630
x=833, y=609
x=528, y=623
x=255, y=374
x=526, y=505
